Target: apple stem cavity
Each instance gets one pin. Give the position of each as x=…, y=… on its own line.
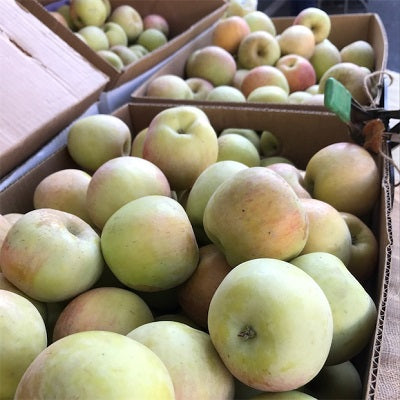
x=247, y=333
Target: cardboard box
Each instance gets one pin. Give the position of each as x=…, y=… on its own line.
x=345, y=29
x=301, y=135
x=187, y=19
x=45, y=84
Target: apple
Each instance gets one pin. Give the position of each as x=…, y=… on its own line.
x=328, y=232
x=364, y=249
x=317, y=20
x=255, y=214
x=12, y=217
x=315, y=100
x=137, y=143
x=212, y=63
x=151, y=39
x=313, y=89
x=353, y=310
x=359, y=52
x=156, y=21
x=5, y=226
x=298, y=97
x=293, y=177
x=238, y=77
x=112, y=58
x=236, y=147
x=59, y=17
x=326, y=55
x=195, y=294
x=259, y=21
x=298, y=71
x=197, y=372
x=344, y=175
x=81, y=37
x=258, y=48
x=138, y=49
x=137, y=246
x=266, y=161
x=249, y=134
x=23, y=338
x=270, y=145
x=64, y=10
x=95, y=139
x=268, y=94
x=297, y=39
x=351, y=76
x=225, y=93
x=95, y=37
x=64, y=190
x=229, y=32
x=51, y=255
x=186, y=132
x=126, y=55
x=115, y=34
x=205, y=185
x=103, y=309
x=96, y=365
x=119, y=181
x=264, y=75
x=88, y=12
x=200, y=87
x=130, y=20
x=240, y=7
x=169, y=86
x=271, y=324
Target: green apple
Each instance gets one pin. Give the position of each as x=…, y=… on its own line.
x=255, y=214
x=169, y=86
x=64, y=190
x=81, y=37
x=112, y=58
x=259, y=21
x=258, y=48
x=23, y=338
x=95, y=139
x=198, y=372
x=270, y=145
x=103, y=309
x=126, y=55
x=156, y=21
x=326, y=55
x=95, y=37
x=139, y=50
x=317, y=20
x=225, y=93
x=186, y=132
x=344, y=175
x=236, y=147
x=151, y=39
x=359, y=52
x=271, y=325
x=96, y=365
x=115, y=34
x=137, y=143
x=149, y=244
x=313, y=89
x=268, y=94
x=119, y=181
x=51, y=255
x=353, y=310
x=200, y=87
x=130, y=20
x=88, y=12
x=297, y=39
x=249, y=134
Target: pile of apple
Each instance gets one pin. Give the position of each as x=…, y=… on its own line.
x=168, y=268
x=248, y=61
x=121, y=36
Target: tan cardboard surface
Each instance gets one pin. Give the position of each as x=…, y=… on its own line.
x=44, y=84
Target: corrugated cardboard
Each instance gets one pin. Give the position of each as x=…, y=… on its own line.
x=301, y=135
x=187, y=19
x=44, y=84
x=345, y=29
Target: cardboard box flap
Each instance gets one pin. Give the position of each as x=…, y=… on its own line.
x=45, y=84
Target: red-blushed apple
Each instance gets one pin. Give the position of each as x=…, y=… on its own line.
x=238, y=77
x=234, y=147
x=259, y=21
x=156, y=21
x=64, y=190
x=317, y=20
x=364, y=248
x=353, y=310
x=186, y=132
x=103, y=309
x=359, y=52
x=200, y=87
x=229, y=32
x=298, y=97
x=130, y=20
x=225, y=93
x=95, y=37
x=249, y=134
x=23, y=338
x=258, y=48
x=344, y=175
x=268, y=94
x=205, y=375
x=96, y=365
x=119, y=181
x=137, y=143
x=298, y=71
x=115, y=34
x=88, y=12
x=212, y=63
x=326, y=54
x=264, y=75
x=270, y=145
x=297, y=39
x=169, y=87
x=277, y=336
x=149, y=244
x=51, y=255
x=255, y=214
x=195, y=294
x=328, y=231
x=152, y=39
x=95, y=139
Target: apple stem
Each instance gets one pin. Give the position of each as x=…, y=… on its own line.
x=247, y=333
